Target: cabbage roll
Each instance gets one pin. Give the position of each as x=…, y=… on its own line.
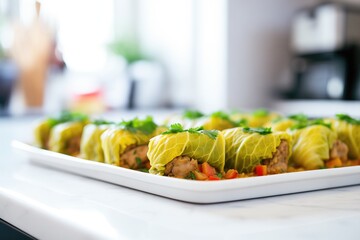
x=285, y=123
x=257, y=118
x=126, y=144
x=348, y=130
x=178, y=152
x=315, y=143
x=215, y=121
x=220, y=121
x=189, y=119
x=248, y=147
x=43, y=129
x=90, y=146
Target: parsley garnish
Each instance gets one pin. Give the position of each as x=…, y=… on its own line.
x=226, y=117
x=145, y=170
x=221, y=115
x=260, y=112
x=260, y=130
x=192, y=114
x=348, y=119
x=138, y=161
x=174, y=128
x=191, y=175
x=299, y=117
x=146, y=126
x=101, y=122
x=67, y=116
x=308, y=123
x=210, y=133
x=178, y=128
x=219, y=175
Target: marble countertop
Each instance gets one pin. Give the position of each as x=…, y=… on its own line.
x=51, y=204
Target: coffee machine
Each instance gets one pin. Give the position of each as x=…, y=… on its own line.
x=325, y=43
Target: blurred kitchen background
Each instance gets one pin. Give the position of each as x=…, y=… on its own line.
x=108, y=55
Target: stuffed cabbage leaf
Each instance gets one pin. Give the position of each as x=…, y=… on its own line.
x=348, y=131
x=312, y=146
x=200, y=145
x=248, y=147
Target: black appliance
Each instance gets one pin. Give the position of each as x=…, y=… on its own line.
x=326, y=52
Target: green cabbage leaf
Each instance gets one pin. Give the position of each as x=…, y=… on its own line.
x=312, y=146
x=199, y=145
x=244, y=150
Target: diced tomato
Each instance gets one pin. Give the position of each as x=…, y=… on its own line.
x=231, y=173
x=200, y=167
x=214, y=177
x=261, y=170
x=353, y=162
x=200, y=176
x=207, y=169
x=336, y=162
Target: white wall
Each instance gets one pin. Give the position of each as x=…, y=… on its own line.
x=221, y=53
x=166, y=31
x=258, y=48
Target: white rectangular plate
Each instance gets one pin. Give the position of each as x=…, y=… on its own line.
x=197, y=191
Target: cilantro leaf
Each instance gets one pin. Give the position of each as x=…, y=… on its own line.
x=191, y=175
x=146, y=126
x=192, y=114
x=308, y=123
x=262, y=112
x=67, y=116
x=174, y=128
x=299, y=117
x=348, y=119
x=210, y=133
x=101, y=122
x=226, y=117
x=221, y=114
x=178, y=128
x=260, y=130
x=138, y=161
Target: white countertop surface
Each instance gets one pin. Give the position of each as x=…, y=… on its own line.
x=51, y=204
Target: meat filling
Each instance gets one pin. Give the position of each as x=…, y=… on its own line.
x=180, y=167
x=135, y=157
x=339, y=150
x=73, y=146
x=278, y=163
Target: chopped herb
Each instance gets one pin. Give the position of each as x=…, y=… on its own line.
x=146, y=126
x=210, y=133
x=299, y=117
x=278, y=119
x=192, y=114
x=262, y=112
x=134, y=152
x=226, y=117
x=242, y=122
x=138, y=161
x=101, y=122
x=174, y=128
x=145, y=170
x=308, y=123
x=191, y=175
x=219, y=175
x=260, y=130
x=178, y=128
x=67, y=116
x=348, y=119
x=195, y=130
